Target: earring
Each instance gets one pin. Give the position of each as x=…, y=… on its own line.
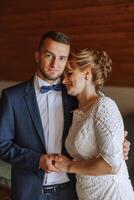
x=86, y=77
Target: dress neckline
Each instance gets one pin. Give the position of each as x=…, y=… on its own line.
x=89, y=110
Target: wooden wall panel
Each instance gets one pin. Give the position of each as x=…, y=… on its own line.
x=98, y=24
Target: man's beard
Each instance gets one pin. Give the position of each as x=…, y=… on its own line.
x=49, y=77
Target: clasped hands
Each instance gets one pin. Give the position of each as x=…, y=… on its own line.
x=54, y=163
x=60, y=163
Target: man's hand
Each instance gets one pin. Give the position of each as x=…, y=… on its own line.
x=126, y=147
x=47, y=163
x=62, y=163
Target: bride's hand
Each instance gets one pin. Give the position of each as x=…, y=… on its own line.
x=62, y=163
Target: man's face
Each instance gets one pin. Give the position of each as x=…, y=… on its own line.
x=51, y=60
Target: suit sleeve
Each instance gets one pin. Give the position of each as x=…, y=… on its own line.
x=9, y=150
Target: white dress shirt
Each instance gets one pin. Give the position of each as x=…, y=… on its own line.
x=51, y=112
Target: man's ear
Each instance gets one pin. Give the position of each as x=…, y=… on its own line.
x=37, y=56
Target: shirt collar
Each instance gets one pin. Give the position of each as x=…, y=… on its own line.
x=38, y=83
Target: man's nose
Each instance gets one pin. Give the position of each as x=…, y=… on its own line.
x=55, y=63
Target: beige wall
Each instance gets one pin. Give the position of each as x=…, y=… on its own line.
x=123, y=96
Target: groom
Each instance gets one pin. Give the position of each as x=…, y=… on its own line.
x=34, y=121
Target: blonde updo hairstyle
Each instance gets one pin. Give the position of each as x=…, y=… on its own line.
x=99, y=61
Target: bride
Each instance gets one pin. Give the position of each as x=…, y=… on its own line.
x=97, y=132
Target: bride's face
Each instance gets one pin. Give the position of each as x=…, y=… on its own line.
x=75, y=80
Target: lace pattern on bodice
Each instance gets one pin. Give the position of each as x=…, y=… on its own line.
x=100, y=131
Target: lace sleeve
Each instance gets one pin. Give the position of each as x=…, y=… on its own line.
x=109, y=130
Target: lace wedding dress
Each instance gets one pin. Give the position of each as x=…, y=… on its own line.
x=100, y=131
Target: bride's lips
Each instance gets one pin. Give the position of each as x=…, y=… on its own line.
x=68, y=86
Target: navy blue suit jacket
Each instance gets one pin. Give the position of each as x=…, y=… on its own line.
x=22, y=140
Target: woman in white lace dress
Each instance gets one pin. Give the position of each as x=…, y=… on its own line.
x=97, y=132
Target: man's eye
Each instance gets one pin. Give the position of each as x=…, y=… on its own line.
x=48, y=55
x=63, y=58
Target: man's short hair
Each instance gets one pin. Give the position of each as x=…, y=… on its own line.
x=56, y=36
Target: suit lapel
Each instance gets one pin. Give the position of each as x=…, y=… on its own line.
x=69, y=104
x=31, y=102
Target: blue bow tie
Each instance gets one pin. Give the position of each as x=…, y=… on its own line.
x=45, y=89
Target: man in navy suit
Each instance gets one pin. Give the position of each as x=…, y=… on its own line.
x=34, y=121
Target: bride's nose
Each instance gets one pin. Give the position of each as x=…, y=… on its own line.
x=64, y=80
